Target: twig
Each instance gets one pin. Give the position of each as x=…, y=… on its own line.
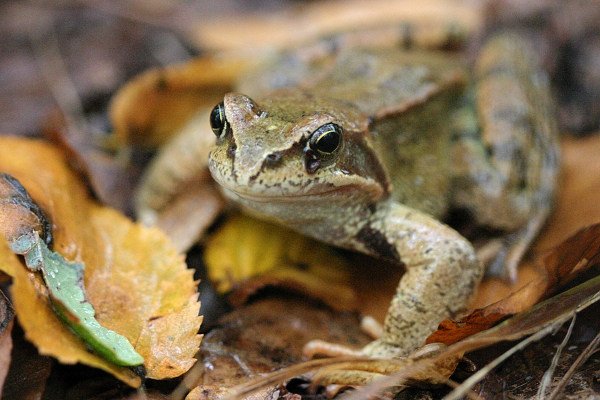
x=547, y=378
x=583, y=357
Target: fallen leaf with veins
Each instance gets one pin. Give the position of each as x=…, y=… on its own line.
x=135, y=279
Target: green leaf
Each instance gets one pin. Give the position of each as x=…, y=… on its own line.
x=64, y=281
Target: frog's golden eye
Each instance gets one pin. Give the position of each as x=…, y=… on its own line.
x=218, y=122
x=326, y=139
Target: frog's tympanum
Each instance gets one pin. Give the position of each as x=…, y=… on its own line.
x=369, y=148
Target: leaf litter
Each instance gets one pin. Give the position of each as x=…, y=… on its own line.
x=135, y=279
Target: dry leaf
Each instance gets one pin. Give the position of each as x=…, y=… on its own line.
x=134, y=278
x=245, y=248
x=152, y=107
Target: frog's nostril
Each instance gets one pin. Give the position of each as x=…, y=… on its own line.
x=273, y=159
x=231, y=150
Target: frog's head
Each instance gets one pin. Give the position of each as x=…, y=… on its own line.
x=292, y=149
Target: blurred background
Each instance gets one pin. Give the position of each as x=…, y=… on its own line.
x=75, y=54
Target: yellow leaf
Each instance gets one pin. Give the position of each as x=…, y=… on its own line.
x=134, y=277
x=245, y=248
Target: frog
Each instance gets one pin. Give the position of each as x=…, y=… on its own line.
x=370, y=147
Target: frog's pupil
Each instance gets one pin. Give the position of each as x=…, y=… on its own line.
x=217, y=119
x=326, y=139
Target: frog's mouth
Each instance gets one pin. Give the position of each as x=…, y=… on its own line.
x=312, y=195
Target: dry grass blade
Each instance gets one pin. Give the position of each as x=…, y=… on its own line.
x=583, y=357
x=547, y=378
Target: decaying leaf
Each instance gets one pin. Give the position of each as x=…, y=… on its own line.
x=134, y=278
x=152, y=107
x=247, y=254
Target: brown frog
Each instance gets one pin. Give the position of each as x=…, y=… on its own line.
x=369, y=147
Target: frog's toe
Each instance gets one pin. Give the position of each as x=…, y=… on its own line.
x=322, y=348
x=378, y=360
x=376, y=349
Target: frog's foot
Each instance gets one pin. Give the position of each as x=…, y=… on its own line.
x=373, y=361
x=368, y=325
x=378, y=360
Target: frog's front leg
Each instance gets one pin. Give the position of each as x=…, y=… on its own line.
x=442, y=273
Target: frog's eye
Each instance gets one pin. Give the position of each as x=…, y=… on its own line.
x=218, y=122
x=326, y=139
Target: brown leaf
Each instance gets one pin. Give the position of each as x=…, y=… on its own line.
x=134, y=278
x=262, y=337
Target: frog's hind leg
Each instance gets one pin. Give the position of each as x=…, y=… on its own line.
x=507, y=154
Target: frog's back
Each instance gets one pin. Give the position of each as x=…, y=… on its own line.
x=377, y=80
x=409, y=96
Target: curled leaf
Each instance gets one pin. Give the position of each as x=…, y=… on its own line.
x=134, y=278
x=151, y=108
x=246, y=254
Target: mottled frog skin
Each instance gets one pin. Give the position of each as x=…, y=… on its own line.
x=368, y=148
